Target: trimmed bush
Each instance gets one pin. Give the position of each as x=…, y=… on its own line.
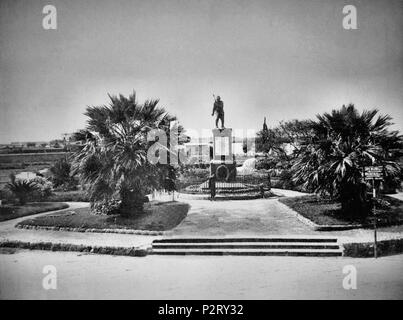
x=44, y=189
x=106, y=207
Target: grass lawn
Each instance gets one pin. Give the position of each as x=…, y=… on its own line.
x=157, y=216
x=8, y=212
x=328, y=212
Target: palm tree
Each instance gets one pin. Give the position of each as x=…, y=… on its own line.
x=343, y=143
x=113, y=161
x=21, y=189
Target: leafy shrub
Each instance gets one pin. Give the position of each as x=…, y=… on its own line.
x=7, y=196
x=381, y=203
x=265, y=163
x=44, y=188
x=106, y=207
x=70, y=186
x=286, y=179
x=283, y=180
x=192, y=171
x=191, y=175
x=275, y=172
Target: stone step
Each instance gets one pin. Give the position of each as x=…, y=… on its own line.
x=276, y=245
x=251, y=252
x=301, y=239
x=246, y=245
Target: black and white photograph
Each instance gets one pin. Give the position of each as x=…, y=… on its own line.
x=201, y=153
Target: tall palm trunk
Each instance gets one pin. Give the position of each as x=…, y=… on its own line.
x=353, y=200
x=132, y=202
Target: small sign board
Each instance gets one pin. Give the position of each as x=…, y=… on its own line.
x=373, y=172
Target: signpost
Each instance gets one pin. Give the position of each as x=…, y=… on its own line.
x=374, y=173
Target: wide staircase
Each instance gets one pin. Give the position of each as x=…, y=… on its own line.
x=244, y=246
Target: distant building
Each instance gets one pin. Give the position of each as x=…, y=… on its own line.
x=198, y=152
x=16, y=144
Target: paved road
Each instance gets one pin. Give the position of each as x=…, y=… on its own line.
x=192, y=277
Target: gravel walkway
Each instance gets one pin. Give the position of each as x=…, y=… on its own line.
x=263, y=217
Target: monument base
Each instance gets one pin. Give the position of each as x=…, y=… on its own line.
x=223, y=170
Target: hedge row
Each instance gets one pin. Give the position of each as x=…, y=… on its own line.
x=134, y=252
x=366, y=250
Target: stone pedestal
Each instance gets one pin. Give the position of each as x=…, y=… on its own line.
x=223, y=164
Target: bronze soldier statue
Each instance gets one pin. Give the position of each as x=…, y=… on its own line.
x=218, y=109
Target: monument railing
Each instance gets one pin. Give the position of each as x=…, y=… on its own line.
x=244, y=183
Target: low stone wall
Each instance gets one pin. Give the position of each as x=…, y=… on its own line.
x=121, y=231
x=121, y=251
x=366, y=249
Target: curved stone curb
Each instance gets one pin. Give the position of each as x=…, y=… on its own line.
x=121, y=251
x=121, y=231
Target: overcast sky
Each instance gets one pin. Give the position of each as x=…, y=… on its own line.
x=280, y=59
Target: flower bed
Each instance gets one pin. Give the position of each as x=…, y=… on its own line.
x=158, y=216
x=328, y=212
